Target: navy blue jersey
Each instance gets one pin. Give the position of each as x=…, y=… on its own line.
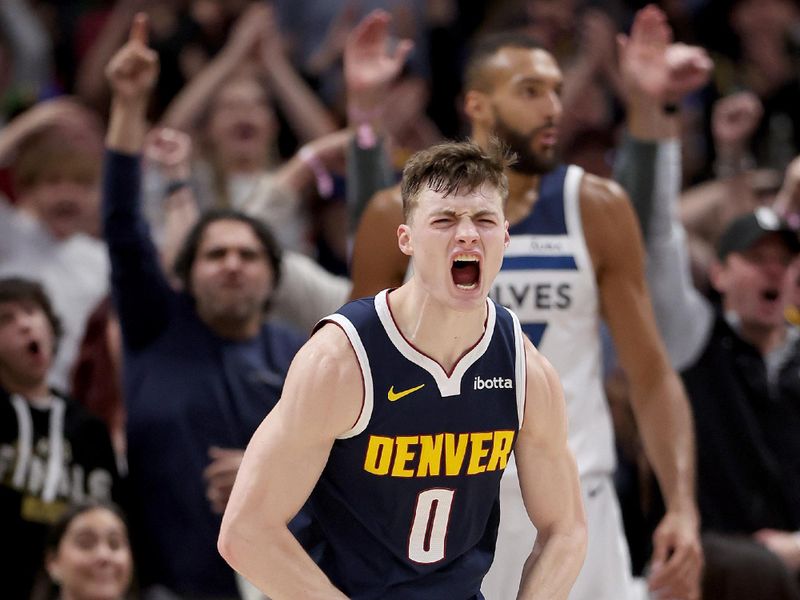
x=407, y=505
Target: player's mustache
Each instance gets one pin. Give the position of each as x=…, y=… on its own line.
x=549, y=124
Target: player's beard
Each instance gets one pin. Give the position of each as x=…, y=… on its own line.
x=528, y=162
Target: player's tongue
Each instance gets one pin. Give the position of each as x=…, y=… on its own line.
x=466, y=273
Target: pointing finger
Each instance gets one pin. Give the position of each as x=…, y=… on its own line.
x=139, y=29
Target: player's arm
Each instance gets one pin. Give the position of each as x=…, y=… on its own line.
x=377, y=262
x=550, y=487
x=321, y=399
x=657, y=396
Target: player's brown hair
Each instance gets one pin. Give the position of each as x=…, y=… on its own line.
x=454, y=167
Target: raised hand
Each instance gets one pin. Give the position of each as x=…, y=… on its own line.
x=170, y=151
x=246, y=36
x=689, y=69
x=369, y=63
x=642, y=56
x=272, y=46
x=133, y=70
x=654, y=68
x=330, y=49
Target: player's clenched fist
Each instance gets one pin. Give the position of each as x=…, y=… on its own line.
x=133, y=69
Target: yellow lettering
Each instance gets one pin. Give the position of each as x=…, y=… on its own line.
x=454, y=452
x=379, y=455
x=421, y=455
x=501, y=448
x=478, y=452
x=403, y=455
x=430, y=455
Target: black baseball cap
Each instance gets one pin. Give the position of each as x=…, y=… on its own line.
x=746, y=230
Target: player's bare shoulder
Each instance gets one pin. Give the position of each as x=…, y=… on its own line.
x=326, y=378
x=330, y=353
x=377, y=262
x=601, y=197
x=608, y=218
x=388, y=200
x=384, y=208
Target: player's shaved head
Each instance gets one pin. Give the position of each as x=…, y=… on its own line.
x=477, y=72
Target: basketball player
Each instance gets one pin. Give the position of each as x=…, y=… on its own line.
x=399, y=416
x=575, y=256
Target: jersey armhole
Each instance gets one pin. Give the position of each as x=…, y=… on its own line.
x=366, y=374
x=520, y=368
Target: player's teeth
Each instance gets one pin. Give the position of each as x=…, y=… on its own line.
x=467, y=257
x=463, y=286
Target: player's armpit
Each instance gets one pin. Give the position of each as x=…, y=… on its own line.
x=377, y=262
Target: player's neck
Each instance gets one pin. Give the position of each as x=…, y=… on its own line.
x=437, y=330
x=523, y=192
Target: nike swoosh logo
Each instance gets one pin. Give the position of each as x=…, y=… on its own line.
x=395, y=396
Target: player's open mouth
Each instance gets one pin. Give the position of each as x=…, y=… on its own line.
x=33, y=348
x=466, y=271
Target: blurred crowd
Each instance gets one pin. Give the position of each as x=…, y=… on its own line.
x=181, y=182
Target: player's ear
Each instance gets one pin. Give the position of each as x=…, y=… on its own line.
x=476, y=107
x=404, y=240
x=507, y=237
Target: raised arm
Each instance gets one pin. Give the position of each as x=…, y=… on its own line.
x=655, y=74
x=168, y=152
x=63, y=113
x=140, y=289
x=307, y=116
x=657, y=396
x=550, y=487
x=321, y=399
x=369, y=68
x=186, y=108
x=29, y=44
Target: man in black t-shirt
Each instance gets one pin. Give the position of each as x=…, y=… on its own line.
x=52, y=452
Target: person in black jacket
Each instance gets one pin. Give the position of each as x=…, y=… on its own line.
x=52, y=452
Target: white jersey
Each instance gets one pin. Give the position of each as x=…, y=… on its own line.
x=548, y=280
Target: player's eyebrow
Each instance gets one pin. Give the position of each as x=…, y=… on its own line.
x=451, y=212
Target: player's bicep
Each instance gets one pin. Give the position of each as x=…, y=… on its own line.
x=547, y=472
x=377, y=262
x=321, y=399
